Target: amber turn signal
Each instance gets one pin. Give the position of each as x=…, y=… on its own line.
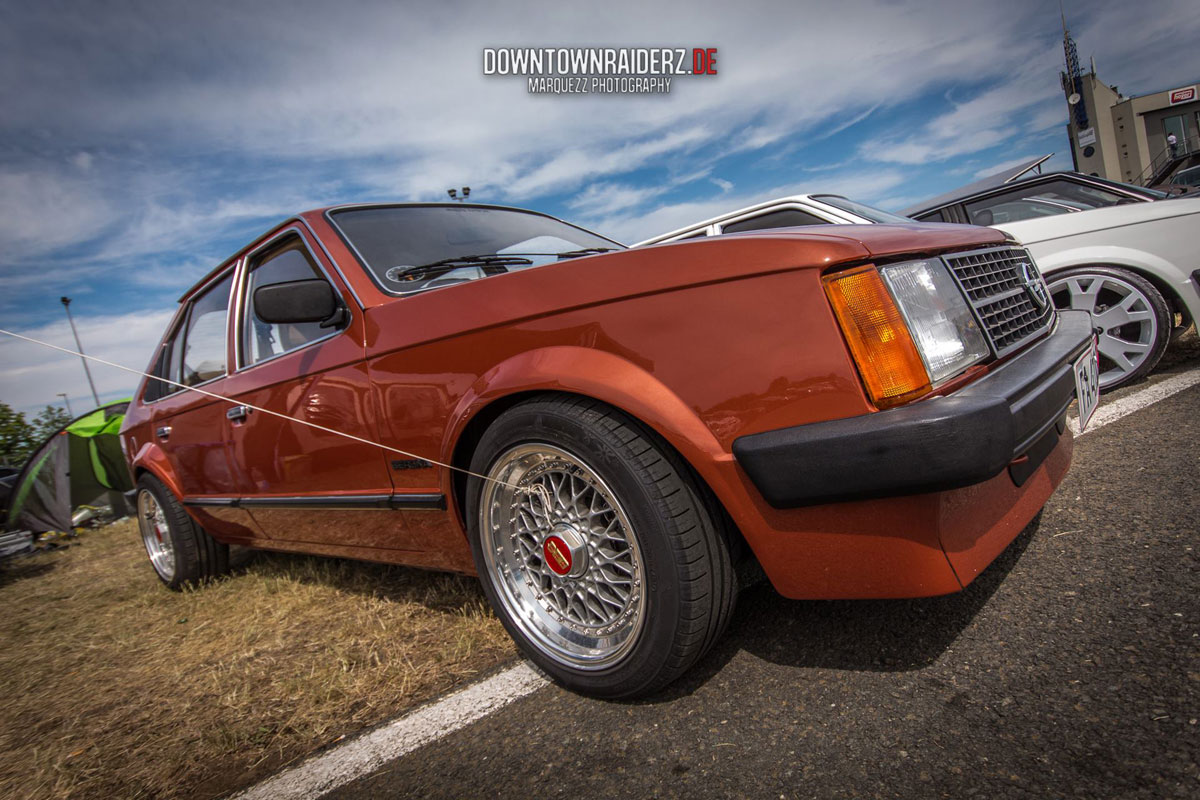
x=878, y=337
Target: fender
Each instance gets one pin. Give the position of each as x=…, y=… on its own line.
x=151, y=458
x=605, y=377
x=1148, y=265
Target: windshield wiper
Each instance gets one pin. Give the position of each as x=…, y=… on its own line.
x=448, y=264
x=587, y=251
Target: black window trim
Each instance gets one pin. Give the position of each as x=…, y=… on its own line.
x=247, y=266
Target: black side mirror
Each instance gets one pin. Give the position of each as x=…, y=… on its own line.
x=300, y=301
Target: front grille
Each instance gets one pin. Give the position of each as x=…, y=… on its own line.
x=995, y=284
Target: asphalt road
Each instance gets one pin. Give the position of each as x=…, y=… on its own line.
x=1070, y=668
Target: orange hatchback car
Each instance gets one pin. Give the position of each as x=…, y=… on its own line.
x=605, y=436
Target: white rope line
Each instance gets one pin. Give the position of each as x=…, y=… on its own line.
x=534, y=489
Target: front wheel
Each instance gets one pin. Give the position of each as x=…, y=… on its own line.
x=1134, y=318
x=602, y=555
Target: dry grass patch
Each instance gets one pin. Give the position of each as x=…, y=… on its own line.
x=116, y=687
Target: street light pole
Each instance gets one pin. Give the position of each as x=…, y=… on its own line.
x=66, y=301
x=67, y=403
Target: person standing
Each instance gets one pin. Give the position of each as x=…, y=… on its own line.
x=1172, y=144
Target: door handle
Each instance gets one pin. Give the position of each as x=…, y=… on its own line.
x=237, y=412
x=163, y=432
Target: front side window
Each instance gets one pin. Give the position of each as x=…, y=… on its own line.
x=203, y=351
x=289, y=261
x=415, y=248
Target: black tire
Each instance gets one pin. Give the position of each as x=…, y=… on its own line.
x=664, y=525
x=180, y=551
x=1129, y=351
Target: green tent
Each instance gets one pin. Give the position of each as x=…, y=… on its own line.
x=79, y=464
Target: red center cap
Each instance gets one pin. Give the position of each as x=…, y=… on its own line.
x=558, y=555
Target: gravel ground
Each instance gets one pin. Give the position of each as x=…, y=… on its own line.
x=1069, y=669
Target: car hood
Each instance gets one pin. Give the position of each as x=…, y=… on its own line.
x=608, y=277
x=1043, y=229
x=880, y=240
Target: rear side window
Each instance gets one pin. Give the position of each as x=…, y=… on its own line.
x=203, y=353
x=934, y=216
x=783, y=218
x=289, y=261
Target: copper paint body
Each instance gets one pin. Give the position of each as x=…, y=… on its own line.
x=702, y=341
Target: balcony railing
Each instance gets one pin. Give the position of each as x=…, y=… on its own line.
x=1164, y=163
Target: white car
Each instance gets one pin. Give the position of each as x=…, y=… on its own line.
x=1135, y=267
x=784, y=212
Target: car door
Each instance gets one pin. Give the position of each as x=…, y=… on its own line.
x=301, y=483
x=190, y=428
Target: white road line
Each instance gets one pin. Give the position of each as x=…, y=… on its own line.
x=1111, y=412
x=337, y=767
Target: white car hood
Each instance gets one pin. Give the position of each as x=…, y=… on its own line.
x=1059, y=226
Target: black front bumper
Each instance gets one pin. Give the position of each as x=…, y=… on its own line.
x=932, y=445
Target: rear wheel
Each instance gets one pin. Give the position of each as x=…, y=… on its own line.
x=602, y=555
x=1133, y=314
x=180, y=551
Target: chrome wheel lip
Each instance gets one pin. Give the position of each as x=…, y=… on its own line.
x=532, y=596
x=156, y=534
x=1130, y=325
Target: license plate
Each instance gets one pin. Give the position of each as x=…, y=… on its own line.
x=1087, y=384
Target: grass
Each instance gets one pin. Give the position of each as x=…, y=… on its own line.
x=114, y=686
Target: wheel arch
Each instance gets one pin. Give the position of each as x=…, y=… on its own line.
x=150, y=460
x=1145, y=265
x=595, y=375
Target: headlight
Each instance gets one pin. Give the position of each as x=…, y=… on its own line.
x=945, y=331
x=907, y=325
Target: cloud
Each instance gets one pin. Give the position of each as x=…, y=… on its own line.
x=724, y=185
x=607, y=198
x=1011, y=162
x=34, y=374
x=405, y=110
x=43, y=209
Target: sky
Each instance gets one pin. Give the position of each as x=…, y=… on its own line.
x=145, y=142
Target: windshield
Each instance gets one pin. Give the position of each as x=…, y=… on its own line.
x=392, y=241
x=861, y=209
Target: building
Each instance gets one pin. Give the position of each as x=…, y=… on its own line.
x=1125, y=138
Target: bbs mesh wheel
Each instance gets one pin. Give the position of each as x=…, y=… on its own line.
x=599, y=551
x=180, y=551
